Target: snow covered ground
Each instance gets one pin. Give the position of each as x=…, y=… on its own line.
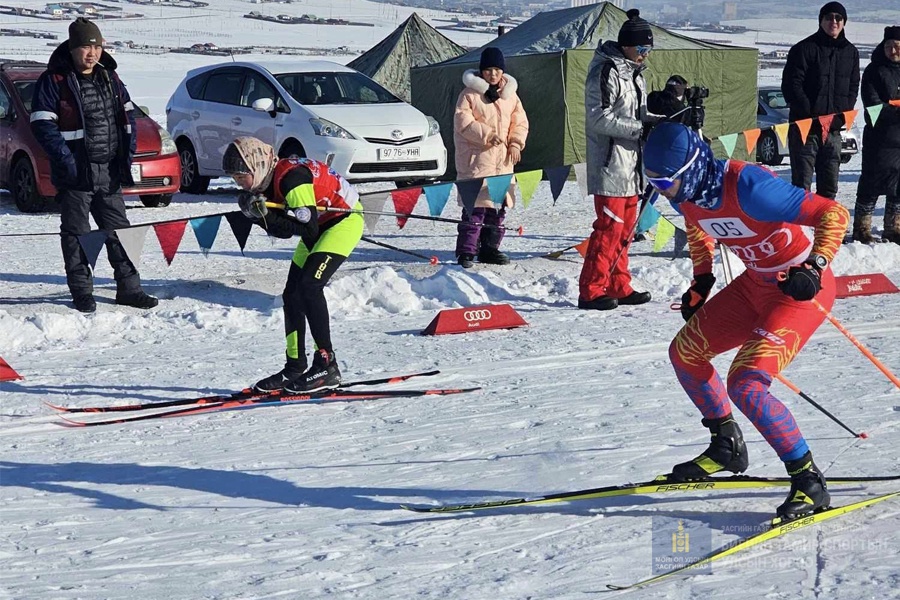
x=302, y=501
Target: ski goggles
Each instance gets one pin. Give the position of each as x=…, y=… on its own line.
x=664, y=183
x=644, y=50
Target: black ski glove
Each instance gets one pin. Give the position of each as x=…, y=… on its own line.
x=803, y=282
x=696, y=295
x=253, y=205
x=492, y=94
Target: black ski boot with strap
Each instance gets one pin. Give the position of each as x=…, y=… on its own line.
x=809, y=492
x=322, y=375
x=726, y=452
x=293, y=371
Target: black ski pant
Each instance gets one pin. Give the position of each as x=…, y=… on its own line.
x=816, y=156
x=304, y=302
x=106, y=205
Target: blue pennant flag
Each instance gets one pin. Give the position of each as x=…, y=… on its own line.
x=557, y=177
x=648, y=219
x=437, y=196
x=468, y=192
x=498, y=185
x=205, y=230
x=92, y=242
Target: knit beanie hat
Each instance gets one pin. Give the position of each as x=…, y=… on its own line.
x=892, y=33
x=492, y=58
x=84, y=33
x=833, y=7
x=635, y=31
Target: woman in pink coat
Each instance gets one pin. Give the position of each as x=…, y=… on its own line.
x=489, y=131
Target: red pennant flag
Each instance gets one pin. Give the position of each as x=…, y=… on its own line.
x=169, y=235
x=405, y=202
x=825, y=122
x=582, y=248
x=7, y=373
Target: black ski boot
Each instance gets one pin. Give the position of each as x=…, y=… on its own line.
x=809, y=492
x=293, y=371
x=322, y=375
x=726, y=452
x=492, y=256
x=466, y=261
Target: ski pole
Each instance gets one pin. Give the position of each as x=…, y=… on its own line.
x=433, y=259
x=627, y=241
x=800, y=393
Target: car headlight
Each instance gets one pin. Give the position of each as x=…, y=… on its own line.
x=434, y=127
x=166, y=143
x=329, y=129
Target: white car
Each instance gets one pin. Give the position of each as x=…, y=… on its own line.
x=317, y=109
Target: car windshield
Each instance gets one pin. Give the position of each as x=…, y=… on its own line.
x=772, y=98
x=334, y=88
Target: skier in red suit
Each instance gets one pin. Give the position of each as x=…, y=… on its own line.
x=766, y=312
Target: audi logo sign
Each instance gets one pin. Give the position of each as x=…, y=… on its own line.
x=477, y=315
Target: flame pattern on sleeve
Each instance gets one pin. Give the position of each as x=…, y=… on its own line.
x=830, y=221
x=702, y=248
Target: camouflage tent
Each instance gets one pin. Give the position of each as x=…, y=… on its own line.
x=414, y=43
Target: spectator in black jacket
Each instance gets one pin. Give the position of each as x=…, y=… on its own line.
x=881, y=142
x=83, y=118
x=821, y=77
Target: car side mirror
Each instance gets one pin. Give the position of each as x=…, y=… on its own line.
x=264, y=105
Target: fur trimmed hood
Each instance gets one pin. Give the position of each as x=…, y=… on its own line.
x=472, y=80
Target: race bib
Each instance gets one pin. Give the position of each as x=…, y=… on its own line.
x=729, y=228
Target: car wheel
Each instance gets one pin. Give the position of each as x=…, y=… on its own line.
x=845, y=158
x=191, y=180
x=767, y=150
x=292, y=150
x=156, y=200
x=25, y=191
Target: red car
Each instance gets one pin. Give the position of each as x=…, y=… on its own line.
x=25, y=168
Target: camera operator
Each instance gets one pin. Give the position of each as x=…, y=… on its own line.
x=679, y=103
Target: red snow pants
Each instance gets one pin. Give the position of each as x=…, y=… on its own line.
x=611, y=238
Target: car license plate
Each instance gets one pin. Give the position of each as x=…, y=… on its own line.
x=136, y=173
x=398, y=153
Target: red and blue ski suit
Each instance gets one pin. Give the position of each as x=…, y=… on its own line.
x=760, y=218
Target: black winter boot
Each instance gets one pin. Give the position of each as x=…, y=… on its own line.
x=293, y=371
x=809, y=492
x=492, y=256
x=466, y=261
x=138, y=299
x=726, y=452
x=322, y=375
x=862, y=229
x=891, y=223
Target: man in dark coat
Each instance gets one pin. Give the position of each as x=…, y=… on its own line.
x=821, y=77
x=83, y=118
x=881, y=142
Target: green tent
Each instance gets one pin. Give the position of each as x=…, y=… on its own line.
x=413, y=44
x=549, y=56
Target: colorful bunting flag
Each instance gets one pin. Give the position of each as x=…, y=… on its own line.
x=664, y=232
x=528, y=181
x=849, y=117
x=894, y=102
x=874, y=112
x=169, y=236
x=582, y=248
x=132, y=239
x=404, y=203
x=648, y=219
x=751, y=136
x=557, y=177
x=825, y=122
x=372, y=206
x=468, y=192
x=437, y=196
x=91, y=243
x=729, y=140
x=581, y=178
x=240, y=227
x=781, y=130
x=205, y=230
x=804, y=125
x=497, y=186
x=680, y=242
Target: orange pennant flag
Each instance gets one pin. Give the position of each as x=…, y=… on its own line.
x=895, y=102
x=825, y=122
x=803, y=125
x=781, y=130
x=583, y=247
x=751, y=136
x=849, y=117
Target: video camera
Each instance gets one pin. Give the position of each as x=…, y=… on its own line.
x=696, y=94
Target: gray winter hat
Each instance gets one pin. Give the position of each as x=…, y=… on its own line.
x=83, y=32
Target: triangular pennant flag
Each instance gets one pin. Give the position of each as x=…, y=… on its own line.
x=648, y=219
x=468, y=192
x=751, y=136
x=803, y=125
x=404, y=202
x=874, y=112
x=169, y=236
x=497, y=186
x=91, y=243
x=557, y=177
x=582, y=248
x=680, y=241
x=132, y=239
x=528, y=181
x=825, y=122
x=372, y=207
x=849, y=117
x=7, y=373
x=894, y=102
x=729, y=140
x=240, y=227
x=205, y=230
x=781, y=130
x=437, y=196
x=664, y=232
x=581, y=178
